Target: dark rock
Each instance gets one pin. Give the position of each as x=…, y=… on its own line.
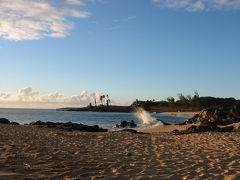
x=14, y=123
x=204, y=128
x=226, y=129
x=69, y=126
x=37, y=123
x=191, y=120
x=218, y=116
x=123, y=124
x=52, y=124
x=126, y=124
x=4, y=121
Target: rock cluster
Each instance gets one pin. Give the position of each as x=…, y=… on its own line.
x=210, y=119
x=6, y=121
x=69, y=126
x=204, y=128
x=217, y=116
x=126, y=124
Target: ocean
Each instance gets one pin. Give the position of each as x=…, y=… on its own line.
x=103, y=119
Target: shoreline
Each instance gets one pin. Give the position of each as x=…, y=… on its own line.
x=170, y=128
x=130, y=109
x=181, y=113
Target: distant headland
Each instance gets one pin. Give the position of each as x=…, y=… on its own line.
x=100, y=108
x=184, y=103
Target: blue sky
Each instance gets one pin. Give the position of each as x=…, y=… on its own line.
x=148, y=49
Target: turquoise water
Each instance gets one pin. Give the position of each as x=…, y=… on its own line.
x=105, y=120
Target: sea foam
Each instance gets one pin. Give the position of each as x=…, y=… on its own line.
x=146, y=118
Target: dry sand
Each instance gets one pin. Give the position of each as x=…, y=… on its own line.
x=165, y=129
x=32, y=152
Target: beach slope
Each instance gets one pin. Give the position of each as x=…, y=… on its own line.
x=33, y=152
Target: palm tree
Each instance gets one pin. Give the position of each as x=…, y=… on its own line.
x=108, y=102
x=102, y=98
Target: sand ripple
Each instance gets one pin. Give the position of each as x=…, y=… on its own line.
x=31, y=152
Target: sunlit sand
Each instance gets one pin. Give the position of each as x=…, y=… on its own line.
x=32, y=152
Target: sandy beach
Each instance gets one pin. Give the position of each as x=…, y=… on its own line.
x=42, y=153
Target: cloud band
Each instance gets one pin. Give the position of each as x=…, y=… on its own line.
x=35, y=19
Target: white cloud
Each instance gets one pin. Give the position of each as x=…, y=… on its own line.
x=27, y=94
x=200, y=5
x=27, y=98
x=35, y=19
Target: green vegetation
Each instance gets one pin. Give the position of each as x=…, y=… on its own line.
x=186, y=102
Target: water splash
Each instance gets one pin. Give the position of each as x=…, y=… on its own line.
x=146, y=118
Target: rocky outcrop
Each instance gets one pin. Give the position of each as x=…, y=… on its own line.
x=210, y=120
x=6, y=121
x=126, y=124
x=217, y=116
x=69, y=126
x=204, y=128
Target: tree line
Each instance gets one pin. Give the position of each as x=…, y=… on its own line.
x=188, y=101
x=104, y=99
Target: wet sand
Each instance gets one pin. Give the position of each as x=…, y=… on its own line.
x=32, y=152
x=181, y=113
